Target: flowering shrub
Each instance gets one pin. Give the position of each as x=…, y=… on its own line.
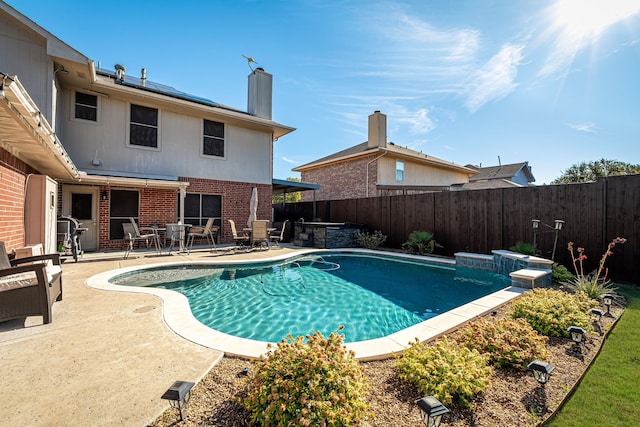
x=317, y=382
x=551, y=312
x=594, y=284
x=371, y=241
x=445, y=370
x=507, y=342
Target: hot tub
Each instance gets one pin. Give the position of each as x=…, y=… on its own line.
x=326, y=235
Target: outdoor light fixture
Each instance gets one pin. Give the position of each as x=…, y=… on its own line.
x=536, y=223
x=178, y=395
x=541, y=370
x=577, y=333
x=596, y=314
x=607, y=299
x=432, y=411
x=104, y=195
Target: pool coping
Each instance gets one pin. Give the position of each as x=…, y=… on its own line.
x=178, y=316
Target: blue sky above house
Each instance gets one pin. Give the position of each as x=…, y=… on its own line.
x=549, y=82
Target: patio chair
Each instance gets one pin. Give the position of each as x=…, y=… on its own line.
x=259, y=234
x=132, y=234
x=174, y=234
x=278, y=235
x=206, y=232
x=29, y=286
x=239, y=239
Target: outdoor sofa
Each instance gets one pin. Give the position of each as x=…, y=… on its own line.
x=29, y=286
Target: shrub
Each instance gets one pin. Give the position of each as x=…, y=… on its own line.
x=317, y=382
x=507, y=342
x=371, y=241
x=523, y=248
x=551, y=312
x=445, y=370
x=560, y=274
x=421, y=242
x=594, y=284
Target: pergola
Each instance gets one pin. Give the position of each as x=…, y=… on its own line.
x=281, y=186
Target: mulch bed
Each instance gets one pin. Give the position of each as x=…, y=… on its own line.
x=515, y=398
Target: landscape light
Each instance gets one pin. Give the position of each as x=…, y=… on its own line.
x=577, y=333
x=541, y=370
x=596, y=314
x=607, y=299
x=432, y=411
x=178, y=396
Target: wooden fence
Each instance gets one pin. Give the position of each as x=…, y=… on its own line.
x=482, y=220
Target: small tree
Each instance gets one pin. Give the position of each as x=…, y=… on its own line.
x=586, y=172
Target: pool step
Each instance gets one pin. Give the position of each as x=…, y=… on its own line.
x=531, y=278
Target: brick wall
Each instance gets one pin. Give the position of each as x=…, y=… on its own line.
x=13, y=173
x=344, y=180
x=236, y=197
x=161, y=206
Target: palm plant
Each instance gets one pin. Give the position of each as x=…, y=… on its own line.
x=421, y=242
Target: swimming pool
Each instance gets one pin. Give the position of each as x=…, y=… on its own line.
x=372, y=295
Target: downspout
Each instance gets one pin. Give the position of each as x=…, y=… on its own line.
x=367, y=172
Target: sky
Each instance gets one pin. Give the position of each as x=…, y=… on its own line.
x=484, y=82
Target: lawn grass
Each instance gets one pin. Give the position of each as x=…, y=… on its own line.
x=609, y=394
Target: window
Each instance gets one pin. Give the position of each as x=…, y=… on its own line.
x=143, y=126
x=399, y=170
x=86, y=107
x=123, y=204
x=198, y=208
x=213, y=139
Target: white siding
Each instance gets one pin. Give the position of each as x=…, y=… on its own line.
x=248, y=153
x=24, y=54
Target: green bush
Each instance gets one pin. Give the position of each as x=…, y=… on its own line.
x=371, y=241
x=445, y=370
x=421, y=242
x=551, y=312
x=523, y=248
x=317, y=382
x=560, y=273
x=507, y=342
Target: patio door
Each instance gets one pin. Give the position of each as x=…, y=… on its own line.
x=81, y=202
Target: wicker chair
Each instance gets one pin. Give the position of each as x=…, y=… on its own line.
x=29, y=289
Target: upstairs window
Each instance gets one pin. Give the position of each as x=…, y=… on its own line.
x=86, y=107
x=213, y=139
x=143, y=126
x=399, y=170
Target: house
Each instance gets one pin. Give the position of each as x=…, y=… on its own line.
x=377, y=167
x=501, y=176
x=120, y=146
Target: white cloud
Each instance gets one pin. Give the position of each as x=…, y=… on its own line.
x=495, y=79
x=588, y=127
x=287, y=160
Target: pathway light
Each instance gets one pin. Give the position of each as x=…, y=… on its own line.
x=432, y=411
x=607, y=299
x=541, y=370
x=577, y=333
x=178, y=396
x=596, y=314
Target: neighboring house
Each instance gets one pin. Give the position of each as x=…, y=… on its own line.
x=501, y=176
x=120, y=146
x=377, y=167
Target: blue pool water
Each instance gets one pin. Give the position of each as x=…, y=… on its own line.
x=372, y=296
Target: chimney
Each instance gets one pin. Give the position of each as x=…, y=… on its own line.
x=260, y=93
x=377, y=130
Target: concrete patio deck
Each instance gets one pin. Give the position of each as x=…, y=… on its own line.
x=106, y=358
